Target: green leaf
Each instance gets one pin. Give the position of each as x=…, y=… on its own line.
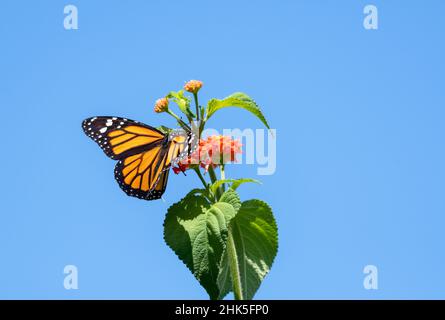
x=197, y=191
x=231, y=197
x=164, y=129
x=201, y=112
x=201, y=192
x=224, y=279
x=197, y=232
x=239, y=182
x=255, y=237
x=182, y=101
x=240, y=100
x=214, y=187
x=235, y=183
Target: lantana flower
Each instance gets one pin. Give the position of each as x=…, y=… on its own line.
x=213, y=151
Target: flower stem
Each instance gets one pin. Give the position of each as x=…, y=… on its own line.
x=212, y=174
x=234, y=269
x=181, y=123
x=213, y=178
x=223, y=177
x=195, y=95
x=201, y=177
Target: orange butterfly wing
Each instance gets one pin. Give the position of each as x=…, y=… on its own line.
x=145, y=175
x=121, y=137
x=144, y=153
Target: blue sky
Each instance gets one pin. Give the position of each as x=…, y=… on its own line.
x=360, y=150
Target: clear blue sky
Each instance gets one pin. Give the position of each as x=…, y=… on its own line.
x=360, y=137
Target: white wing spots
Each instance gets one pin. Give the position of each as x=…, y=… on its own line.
x=103, y=130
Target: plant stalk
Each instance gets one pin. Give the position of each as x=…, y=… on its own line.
x=212, y=174
x=213, y=179
x=181, y=123
x=201, y=177
x=223, y=177
x=234, y=269
x=195, y=95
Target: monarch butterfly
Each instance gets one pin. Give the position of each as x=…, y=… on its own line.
x=144, y=153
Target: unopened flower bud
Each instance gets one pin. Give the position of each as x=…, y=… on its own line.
x=193, y=86
x=161, y=105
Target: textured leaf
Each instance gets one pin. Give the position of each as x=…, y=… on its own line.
x=164, y=129
x=239, y=182
x=182, y=101
x=197, y=232
x=224, y=280
x=196, y=192
x=239, y=100
x=231, y=197
x=255, y=236
x=235, y=183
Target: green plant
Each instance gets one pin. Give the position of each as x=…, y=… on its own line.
x=227, y=244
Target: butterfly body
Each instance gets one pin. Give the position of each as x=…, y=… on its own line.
x=144, y=153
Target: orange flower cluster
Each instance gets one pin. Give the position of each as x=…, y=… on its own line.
x=193, y=86
x=213, y=151
x=161, y=105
